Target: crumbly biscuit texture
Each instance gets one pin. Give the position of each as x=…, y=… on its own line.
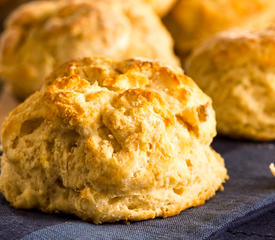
x=193, y=21
x=41, y=35
x=236, y=69
x=111, y=141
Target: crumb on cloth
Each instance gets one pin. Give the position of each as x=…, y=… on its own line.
x=272, y=168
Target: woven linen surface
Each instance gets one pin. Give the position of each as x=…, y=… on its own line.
x=251, y=187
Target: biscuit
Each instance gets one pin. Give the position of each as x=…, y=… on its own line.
x=161, y=7
x=42, y=35
x=193, y=21
x=236, y=69
x=110, y=141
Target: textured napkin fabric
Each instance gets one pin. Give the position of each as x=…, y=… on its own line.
x=250, y=188
x=257, y=225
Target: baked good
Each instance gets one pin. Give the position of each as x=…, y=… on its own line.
x=42, y=35
x=236, y=69
x=193, y=21
x=110, y=141
x=161, y=7
x=6, y=7
x=272, y=169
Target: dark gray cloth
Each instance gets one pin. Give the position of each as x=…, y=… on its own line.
x=251, y=187
x=259, y=225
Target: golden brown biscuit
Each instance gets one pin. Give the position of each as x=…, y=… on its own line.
x=236, y=69
x=161, y=7
x=193, y=21
x=41, y=35
x=111, y=141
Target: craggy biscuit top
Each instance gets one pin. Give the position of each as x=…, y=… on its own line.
x=111, y=141
x=236, y=69
x=146, y=81
x=41, y=35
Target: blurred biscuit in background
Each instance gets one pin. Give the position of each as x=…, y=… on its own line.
x=161, y=7
x=193, y=21
x=237, y=70
x=40, y=35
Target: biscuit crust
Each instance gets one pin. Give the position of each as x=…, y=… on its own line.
x=236, y=69
x=41, y=35
x=110, y=141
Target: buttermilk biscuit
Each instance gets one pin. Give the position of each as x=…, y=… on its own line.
x=110, y=141
x=41, y=35
x=236, y=69
x=193, y=21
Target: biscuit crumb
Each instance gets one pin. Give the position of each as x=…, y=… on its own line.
x=272, y=168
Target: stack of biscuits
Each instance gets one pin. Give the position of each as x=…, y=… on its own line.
x=109, y=127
